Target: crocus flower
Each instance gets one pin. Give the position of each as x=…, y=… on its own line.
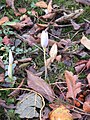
x=10, y=64
x=44, y=39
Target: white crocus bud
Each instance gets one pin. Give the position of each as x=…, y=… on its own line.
x=10, y=64
x=44, y=39
x=10, y=57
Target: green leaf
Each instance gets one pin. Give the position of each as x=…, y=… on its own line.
x=27, y=107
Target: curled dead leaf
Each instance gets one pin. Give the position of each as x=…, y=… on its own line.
x=87, y=2
x=73, y=87
x=48, y=16
x=49, y=7
x=10, y=3
x=88, y=78
x=58, y=58
x=6, y=40
x=86, y=106
x=60, y=113
x=26, y=21
x=3, y=20
x=86, y=42
x=41, y=4
x=75, y=25
x=22, y=10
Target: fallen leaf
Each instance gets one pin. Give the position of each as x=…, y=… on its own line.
x=42, y=25
x=45, y=113
x=19, y=25
x=87, y=2
x=3, y=104
x=75, y=25
x=10, y=3
x=88, y=78
x=39, y=85
x=73, y=87
x=86, y=42
x=88, y=64
x=86, y=106
x=76, y=115
x=28, y=105
x=22, y=10
x=49, y=7
x=53, y=52
x=29, y=39
x=70, y=16
x=80, y=67
x=25, y=60
x=60, y=113
x=58, y=58
x=3, y=20
x=48, y=16
x=6, y=40
x=41, y=4
x=87, y=99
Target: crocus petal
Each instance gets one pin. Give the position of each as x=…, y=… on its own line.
x=44, y=39
x=10, y=57
x=10, y=71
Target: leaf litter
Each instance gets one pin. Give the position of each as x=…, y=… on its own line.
x=67, y=54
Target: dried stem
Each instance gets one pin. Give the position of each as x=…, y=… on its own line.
x=44, y=50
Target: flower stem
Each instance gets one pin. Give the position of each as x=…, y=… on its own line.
x=44, y=50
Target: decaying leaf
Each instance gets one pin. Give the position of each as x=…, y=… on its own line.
x=86, y=106
x=6, y=40
x=88, y=78
x=88, y=64
x=3, y=20
x=76, y=115
x=42, y=25
x=41, y=4
x=27, y=106
x=60, y=113
x=22, y=10
x=49, y=7
x=70, y=16
x=39, y=85
x=86, y=42
x=75, y=25
x=48, y=16
x=58, y=58
x=10, y=3
x=26, y=21
x=3, y=104
x=73, y=87
x=87, y=2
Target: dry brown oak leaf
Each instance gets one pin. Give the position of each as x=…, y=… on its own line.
x=73, y=87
